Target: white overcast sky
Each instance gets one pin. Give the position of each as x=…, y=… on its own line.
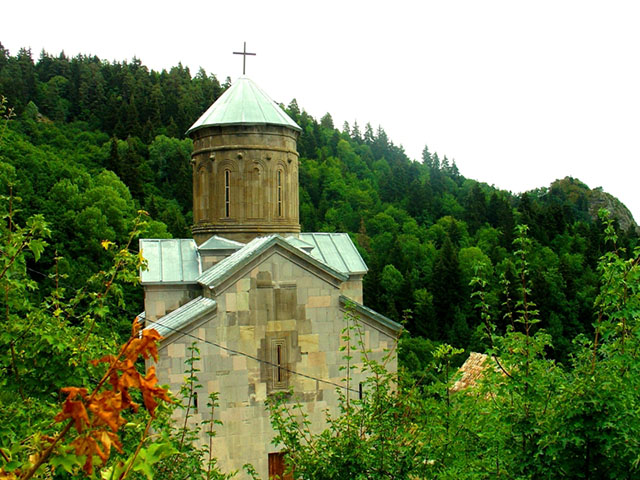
x=519, y=93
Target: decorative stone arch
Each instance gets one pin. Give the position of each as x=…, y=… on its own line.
x=283, y=164
x=201, y=190
x=294, y=200
x=255, y=190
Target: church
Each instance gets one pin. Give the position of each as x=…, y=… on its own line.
x=265, y=303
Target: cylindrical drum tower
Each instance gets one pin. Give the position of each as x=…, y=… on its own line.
x=245, y=167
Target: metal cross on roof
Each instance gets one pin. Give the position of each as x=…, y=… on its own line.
x=244, y=54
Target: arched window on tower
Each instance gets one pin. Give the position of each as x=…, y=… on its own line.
x=227, y=193
x=279, y=193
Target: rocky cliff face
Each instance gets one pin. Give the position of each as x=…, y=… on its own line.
x=599, y=199
x=588, y=201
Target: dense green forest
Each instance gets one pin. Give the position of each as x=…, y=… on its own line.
x=85, y=144
x=93, y=141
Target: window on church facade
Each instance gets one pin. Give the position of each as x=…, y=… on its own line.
x=227, y=193
x=279, y=364
x=279, y=192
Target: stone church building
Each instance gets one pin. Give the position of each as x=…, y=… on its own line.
x=264, y=302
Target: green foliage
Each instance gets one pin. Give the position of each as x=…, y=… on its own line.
x=48, y=344
x=87, y=116
x=525, y=416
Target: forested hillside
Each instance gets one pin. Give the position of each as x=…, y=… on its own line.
x=93, y=141
x=548, y=290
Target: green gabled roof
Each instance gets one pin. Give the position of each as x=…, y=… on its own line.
x=336, y=250
x=170, y=261
x=182, y=316
x=244, y=103
x=236, y=261
x=220, y=243
x=301, y=244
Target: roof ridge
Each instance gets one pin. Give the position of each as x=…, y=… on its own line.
x=381, y=319
x=227, y=266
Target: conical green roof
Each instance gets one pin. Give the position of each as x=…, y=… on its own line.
x=244, y=103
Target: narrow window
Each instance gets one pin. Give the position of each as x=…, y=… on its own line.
x=279, y=180
x=227, y=193
x=279, y=363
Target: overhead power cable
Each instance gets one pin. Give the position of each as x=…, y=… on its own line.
x=237, y=352
x=252, y=357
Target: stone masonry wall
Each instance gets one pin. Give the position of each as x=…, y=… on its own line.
x=160, y=300
x=278, y=311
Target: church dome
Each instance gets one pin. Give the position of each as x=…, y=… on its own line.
x=244, y=103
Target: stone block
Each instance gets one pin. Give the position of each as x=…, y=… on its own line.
x=318, y=361
x=244, y=318
x=243, y=285
x=222, y=332
x=304, y=326
x=210, y=333
x=281, y=326
x=287, y=271
x=239, y=362
x=263, y=279
x=177, y=365
x=306, y=384
x=320, y=301
x=242, y=301
x=230, y=302
x=286, y=303
x=248, y=343
x=231, y=318
x=309, y=343
x=302, y=296
x=247, y=333
x=176, y=350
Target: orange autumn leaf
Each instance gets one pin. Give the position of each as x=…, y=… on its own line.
x=106, y=407
x=127, y=401
x=90, y=445
x=151, y=338
x=73, y=392
x=97, y=417
x=108, y=439
x=145, y=346
x=130, y=377
x=135, y=327
x=74, y=409
x=85, y=445
x=150, y=392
